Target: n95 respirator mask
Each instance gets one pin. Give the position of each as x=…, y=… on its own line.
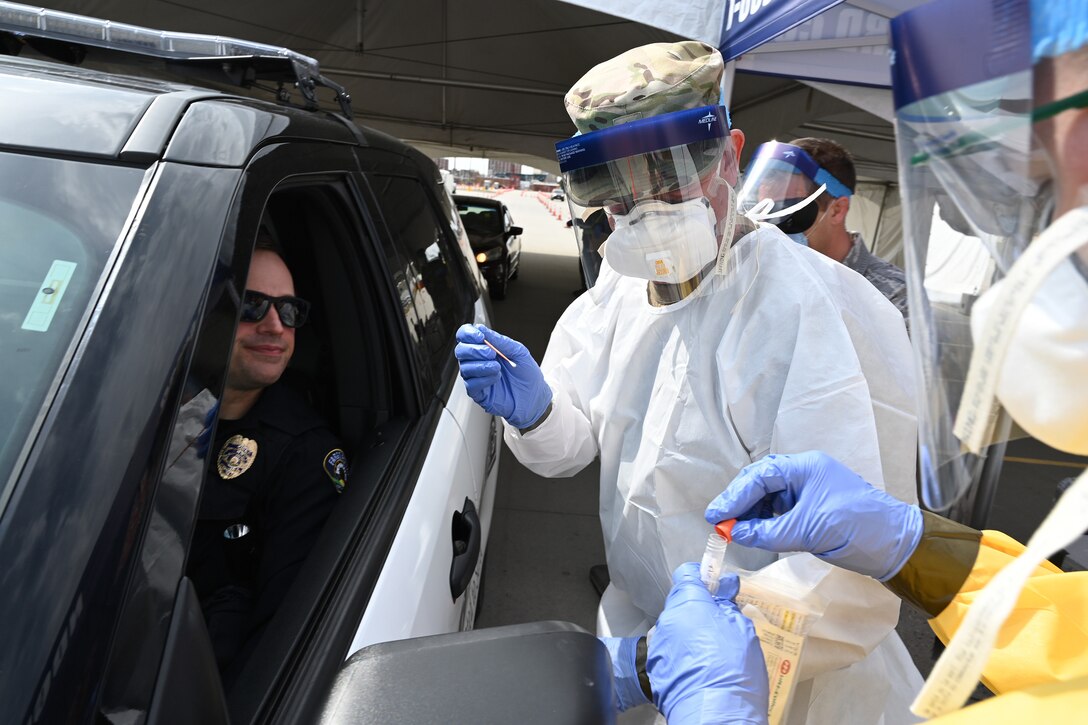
x=663, y=242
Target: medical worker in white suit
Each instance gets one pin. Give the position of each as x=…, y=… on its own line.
x=708, y=341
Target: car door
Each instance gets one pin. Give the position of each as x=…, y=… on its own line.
x=476, y=425
x=161, y=639
x=140, y=248
x=432, y=569
x=360, y=362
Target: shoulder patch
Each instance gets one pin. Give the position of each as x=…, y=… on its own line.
x=336, y=465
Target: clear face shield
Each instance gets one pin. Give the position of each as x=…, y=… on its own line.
x=978, y=191
x=781, y=186
x=663, y=186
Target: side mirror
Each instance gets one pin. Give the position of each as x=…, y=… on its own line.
x=515, y=231
x=545, y=673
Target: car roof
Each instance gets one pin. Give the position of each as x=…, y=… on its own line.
x=65, y=110
x=478, y=200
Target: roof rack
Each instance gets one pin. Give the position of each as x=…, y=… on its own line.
x=243, y=62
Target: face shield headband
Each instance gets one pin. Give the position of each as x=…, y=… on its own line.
x=648, y=157
x=765, y=194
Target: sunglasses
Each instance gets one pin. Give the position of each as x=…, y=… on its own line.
x=291, y=310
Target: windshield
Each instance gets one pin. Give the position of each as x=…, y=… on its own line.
x=480, y=219
x=59, y=222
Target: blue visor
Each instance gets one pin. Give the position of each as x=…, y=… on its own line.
x=642, y=137
x=791, y=159
x=932, y=54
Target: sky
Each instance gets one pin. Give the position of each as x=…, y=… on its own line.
x=474, y=164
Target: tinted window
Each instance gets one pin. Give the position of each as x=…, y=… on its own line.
x=480, y=219
x=53, y=249
x=449, y=210
x=435, y=277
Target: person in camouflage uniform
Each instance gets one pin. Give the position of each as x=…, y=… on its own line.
x=644, y=82
x=676, y=386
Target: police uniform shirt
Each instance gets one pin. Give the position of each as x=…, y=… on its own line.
x=273, y=479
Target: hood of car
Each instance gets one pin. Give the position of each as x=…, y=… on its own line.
x=485, y=241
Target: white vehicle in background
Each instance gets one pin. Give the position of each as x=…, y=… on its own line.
x=448, y=181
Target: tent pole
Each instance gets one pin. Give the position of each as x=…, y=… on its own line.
x=403, y=78
x=445, y=49
x=727, y=82
x=880, y=218
x=359, y=12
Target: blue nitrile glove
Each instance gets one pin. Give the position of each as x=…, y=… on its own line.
x=704, y=660
x=628, y=690
x=519, y=394
x=704, y=663
x=824, y=508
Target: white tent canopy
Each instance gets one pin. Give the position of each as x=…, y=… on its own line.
x=471, y=77
x=843, y=41
x=487, y=77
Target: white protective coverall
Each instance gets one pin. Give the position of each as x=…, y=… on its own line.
x=789, y=352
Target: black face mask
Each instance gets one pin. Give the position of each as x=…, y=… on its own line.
x=798, y=221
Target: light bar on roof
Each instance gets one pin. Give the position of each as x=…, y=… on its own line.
x=53, y=24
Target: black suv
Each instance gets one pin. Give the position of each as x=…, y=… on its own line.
x=129, y=209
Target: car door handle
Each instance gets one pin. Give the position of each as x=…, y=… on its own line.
x=466, y=547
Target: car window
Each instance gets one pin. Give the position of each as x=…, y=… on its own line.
x=53, y=250
x=480, y=219
x=142, y=627
x=437, y=280
x=340, y=367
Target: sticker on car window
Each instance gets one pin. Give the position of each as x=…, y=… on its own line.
x=45, y=305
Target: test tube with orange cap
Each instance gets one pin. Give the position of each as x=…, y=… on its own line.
x=710, y=568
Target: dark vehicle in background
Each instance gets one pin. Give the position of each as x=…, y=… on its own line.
x=495, y=240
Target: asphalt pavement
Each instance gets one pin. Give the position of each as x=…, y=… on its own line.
x=545, y=533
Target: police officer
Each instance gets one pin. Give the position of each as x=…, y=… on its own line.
x=275, y=473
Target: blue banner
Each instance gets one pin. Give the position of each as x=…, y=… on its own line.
x=750, y=23
x=951, y=44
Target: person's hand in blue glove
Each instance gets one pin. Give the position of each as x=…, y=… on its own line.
x=516, y=392
x=704, y=664
x=823, y=508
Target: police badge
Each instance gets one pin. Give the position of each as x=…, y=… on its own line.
x=236, y=456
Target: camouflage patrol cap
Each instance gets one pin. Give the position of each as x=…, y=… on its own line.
x=646, y=81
